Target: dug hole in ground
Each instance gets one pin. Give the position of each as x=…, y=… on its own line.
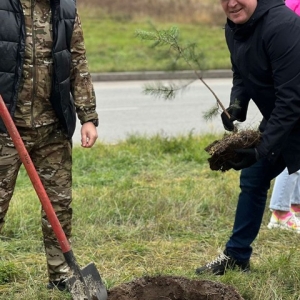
x=172, y=288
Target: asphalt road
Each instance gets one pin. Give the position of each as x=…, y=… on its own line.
x=124, y=109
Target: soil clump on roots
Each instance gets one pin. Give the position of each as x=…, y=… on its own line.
x=223, y=150
x=172, y=288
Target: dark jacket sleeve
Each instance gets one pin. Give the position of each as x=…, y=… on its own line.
x=282, y=43
x=239, y=95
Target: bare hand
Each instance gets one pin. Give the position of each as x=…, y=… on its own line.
x=89, y=135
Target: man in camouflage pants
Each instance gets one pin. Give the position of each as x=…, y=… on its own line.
x=44, y=81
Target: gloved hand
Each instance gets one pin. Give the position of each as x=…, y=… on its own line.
x=234, y=112
x=248, y=158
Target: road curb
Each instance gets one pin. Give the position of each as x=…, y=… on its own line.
x=159, y=75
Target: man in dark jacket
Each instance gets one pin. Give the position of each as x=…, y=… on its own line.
x=263, y=38
x=44, y=81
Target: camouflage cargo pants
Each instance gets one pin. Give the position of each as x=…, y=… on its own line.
x=51, y=153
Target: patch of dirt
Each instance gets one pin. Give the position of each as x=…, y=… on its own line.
x=222, y=150
x=172, y=288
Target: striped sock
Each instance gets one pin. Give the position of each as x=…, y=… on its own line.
x=295, y=208
x=282, y=217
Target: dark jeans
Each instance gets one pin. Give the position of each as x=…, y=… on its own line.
x=254, y=183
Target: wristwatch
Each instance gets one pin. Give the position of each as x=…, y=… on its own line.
x=94, y=121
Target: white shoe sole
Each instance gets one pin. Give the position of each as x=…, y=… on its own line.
x=280, y=226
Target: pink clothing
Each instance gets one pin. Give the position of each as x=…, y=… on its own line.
x=293, y=5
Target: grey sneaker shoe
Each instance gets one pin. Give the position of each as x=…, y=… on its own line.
x=223, y=262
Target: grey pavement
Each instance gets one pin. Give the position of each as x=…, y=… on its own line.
x=124, y=109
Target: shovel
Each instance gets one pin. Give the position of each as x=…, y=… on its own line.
x=86, y=283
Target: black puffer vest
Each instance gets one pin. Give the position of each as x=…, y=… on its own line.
x=12, y=47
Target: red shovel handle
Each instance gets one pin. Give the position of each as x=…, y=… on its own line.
x=34, y=177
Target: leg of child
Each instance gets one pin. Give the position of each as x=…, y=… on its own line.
x=295, y=197
x=284, y=188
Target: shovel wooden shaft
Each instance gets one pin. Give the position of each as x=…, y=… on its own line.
x=34, y=177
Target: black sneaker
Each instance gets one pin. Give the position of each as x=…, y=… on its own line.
x=58, y=284
x=222, y=263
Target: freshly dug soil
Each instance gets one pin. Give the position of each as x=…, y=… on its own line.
x=172, y=288
x=222, y=150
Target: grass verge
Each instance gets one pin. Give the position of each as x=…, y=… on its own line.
x=146, y=206
x=112, y=45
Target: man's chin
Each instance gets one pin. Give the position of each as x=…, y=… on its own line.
x=239, y=20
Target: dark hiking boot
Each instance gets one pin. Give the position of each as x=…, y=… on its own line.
x=223, y=262
x=58, y=284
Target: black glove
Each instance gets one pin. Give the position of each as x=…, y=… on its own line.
x=236, y=113
x=247, y=158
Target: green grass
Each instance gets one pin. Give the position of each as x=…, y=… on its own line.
x=112, y=45
x=146, y=206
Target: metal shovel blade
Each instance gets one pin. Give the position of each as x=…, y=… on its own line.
x=88, y=286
